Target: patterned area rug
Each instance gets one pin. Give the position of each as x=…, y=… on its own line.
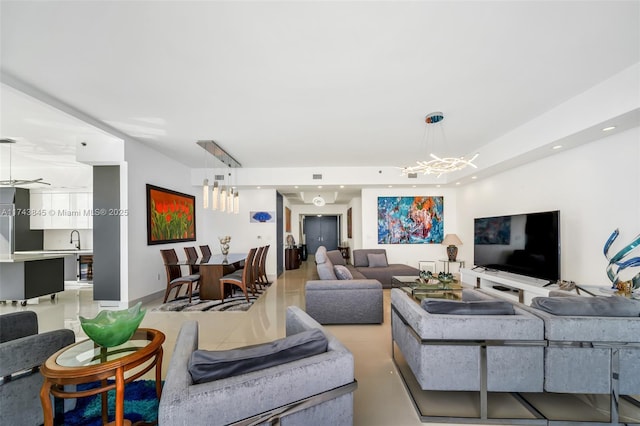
x=140, y=405
x=236, y=303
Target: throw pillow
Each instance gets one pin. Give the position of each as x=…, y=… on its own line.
x=613, y=306
x=474, y=307
x=342, y=272
x=377, y=260
x=206, y=366
x=335, y=256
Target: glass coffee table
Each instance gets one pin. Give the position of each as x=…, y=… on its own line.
x=420, y=289
x=86, y=362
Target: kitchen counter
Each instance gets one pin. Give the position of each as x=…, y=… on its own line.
x=29, y=275
x=28, y=256
x=57, y=251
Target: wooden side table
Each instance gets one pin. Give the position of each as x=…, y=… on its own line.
x=86, y=362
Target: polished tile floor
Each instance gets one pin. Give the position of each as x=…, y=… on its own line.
x=381, y=398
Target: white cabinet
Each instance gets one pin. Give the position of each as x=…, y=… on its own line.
x=80, y=203
x=506, y=285
x=61, y=210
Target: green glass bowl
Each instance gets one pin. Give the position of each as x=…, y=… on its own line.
x=113, y=328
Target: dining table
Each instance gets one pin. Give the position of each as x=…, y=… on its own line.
x=213, y=268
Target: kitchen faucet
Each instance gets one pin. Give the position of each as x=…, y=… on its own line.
x=78, y=241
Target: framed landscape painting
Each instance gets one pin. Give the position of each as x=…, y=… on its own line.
x=410, y=220
x=171, y=216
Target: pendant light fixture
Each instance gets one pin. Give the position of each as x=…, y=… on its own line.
x=224, y=196
x=438, y=164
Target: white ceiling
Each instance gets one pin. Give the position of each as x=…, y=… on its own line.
x=316, y=83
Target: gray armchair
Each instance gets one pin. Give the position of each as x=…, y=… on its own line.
x=22, y=351
x=315, y=390
x=444, y=351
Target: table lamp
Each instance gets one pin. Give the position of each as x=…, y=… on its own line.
x=451, y=241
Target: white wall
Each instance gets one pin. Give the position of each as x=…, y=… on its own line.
x=244, y=235
x=409, y=254
x=594, y=186
x=146, y=274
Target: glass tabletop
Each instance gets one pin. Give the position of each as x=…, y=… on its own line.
x=87, y=353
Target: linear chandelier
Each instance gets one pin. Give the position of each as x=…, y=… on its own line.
x=437, y=165
x=224, y=197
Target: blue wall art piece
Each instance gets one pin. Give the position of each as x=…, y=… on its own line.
x=410, y=220
x=262, y=217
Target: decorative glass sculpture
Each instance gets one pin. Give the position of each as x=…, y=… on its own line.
x=113, y=328
x=617, y=262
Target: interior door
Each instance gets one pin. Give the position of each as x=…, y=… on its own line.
x=321, y=231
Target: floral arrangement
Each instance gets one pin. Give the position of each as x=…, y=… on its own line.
x=617, y=262
x=224, y=244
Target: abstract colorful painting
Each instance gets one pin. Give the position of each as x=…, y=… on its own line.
x=171, y=216
x=410, y=220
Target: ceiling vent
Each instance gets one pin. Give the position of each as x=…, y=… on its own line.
x=317, y=176
x=412, y=175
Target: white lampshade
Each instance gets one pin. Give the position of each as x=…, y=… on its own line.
x=205, y=193
x=214, y=196
x=223, y=199
x=236, y=203
x=451, y=240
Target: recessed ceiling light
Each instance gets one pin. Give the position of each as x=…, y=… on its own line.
x=474, y=177
x=341, y=186
x=414, y=186
x=390, y=186
x=556, y=147
x=457, y=183
x=319, y=186
x=606, y=129
x=296, y=187
x=258, y=187
x=438, y=186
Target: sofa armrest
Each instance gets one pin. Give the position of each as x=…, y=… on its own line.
x=18, y=324
x=28, y=352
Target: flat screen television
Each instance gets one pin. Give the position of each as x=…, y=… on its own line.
x=524, y=244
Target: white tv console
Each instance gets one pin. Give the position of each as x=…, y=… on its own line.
x=519, y=287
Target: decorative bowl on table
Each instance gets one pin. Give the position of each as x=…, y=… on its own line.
x=113, y=328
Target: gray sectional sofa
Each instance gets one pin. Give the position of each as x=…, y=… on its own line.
x=281, y=393
x=380, y=273
x=361, y=268
x=347, y=301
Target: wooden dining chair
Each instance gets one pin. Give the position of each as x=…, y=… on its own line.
x=205, y=250
x=242, y=278
x=192, y=256
x=256, y=267
x=175, y=279
x=262, y=266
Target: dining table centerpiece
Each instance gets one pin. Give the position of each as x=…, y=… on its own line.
x=224, y=244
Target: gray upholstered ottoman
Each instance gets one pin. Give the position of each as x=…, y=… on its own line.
x=344, y=301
